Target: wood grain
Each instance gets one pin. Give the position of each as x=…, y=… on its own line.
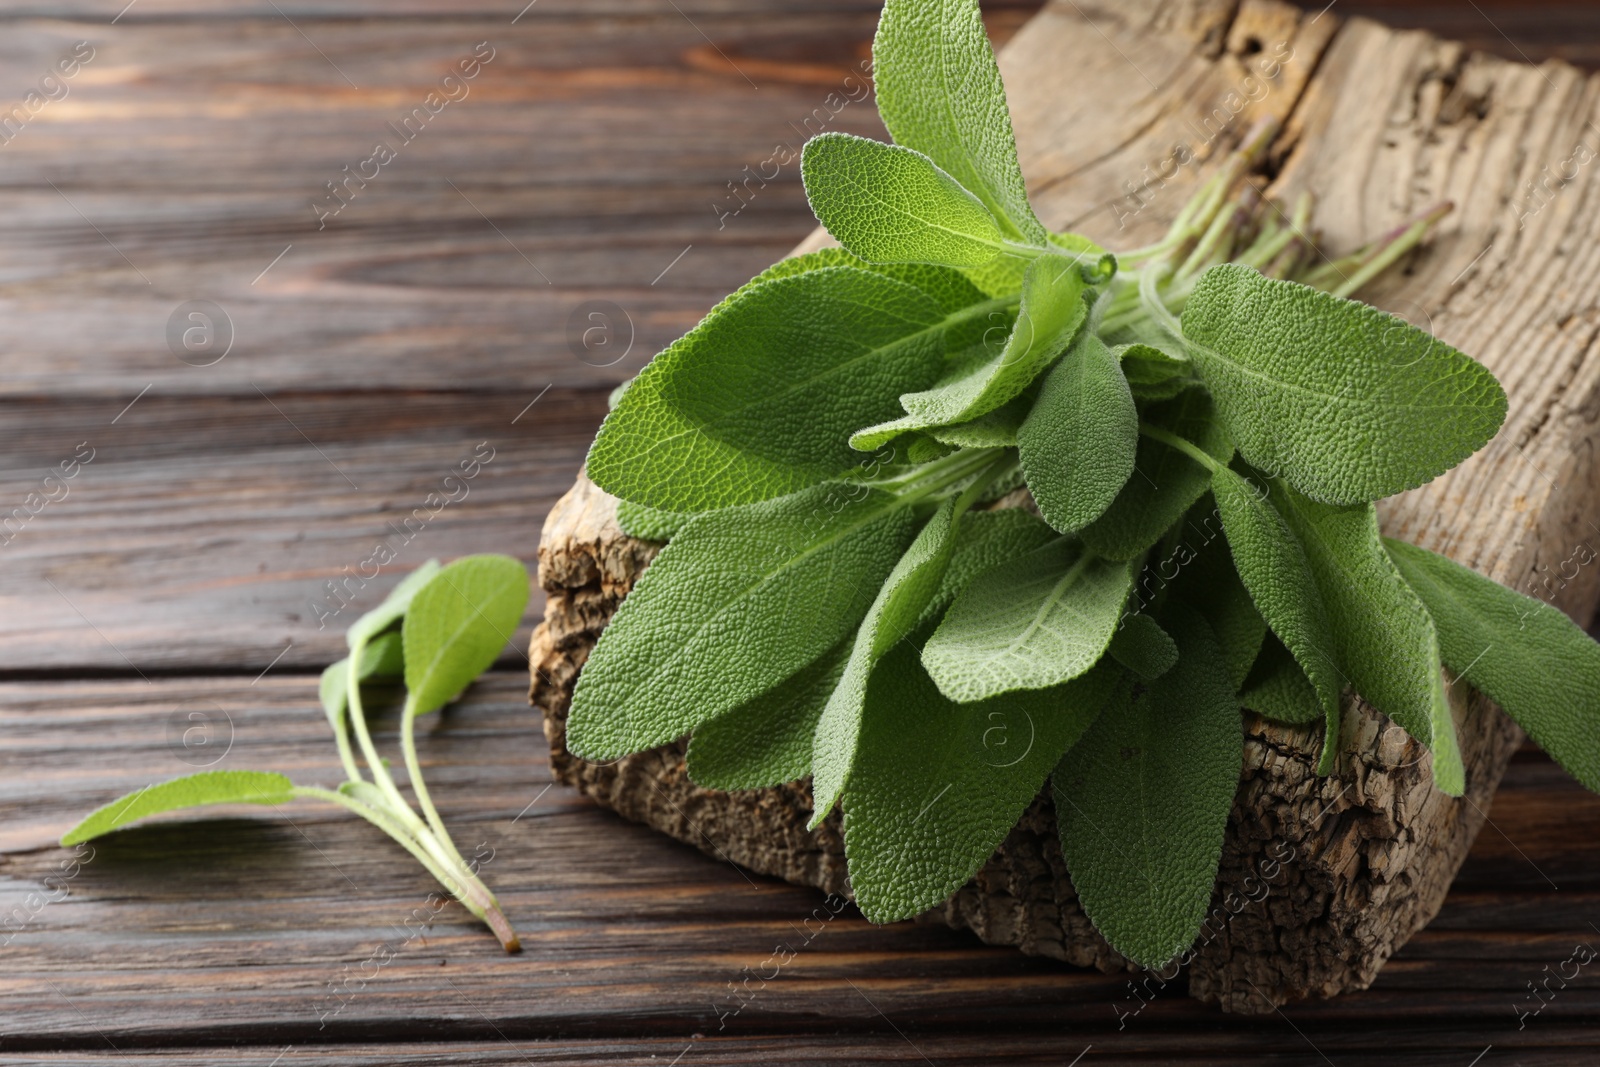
x=400, y=335
x=227, y=928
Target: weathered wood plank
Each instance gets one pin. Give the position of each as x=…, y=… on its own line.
x=229, y=928
x=203, y=532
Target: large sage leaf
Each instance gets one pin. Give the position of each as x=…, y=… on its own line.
x=1142, y=801
x=1272, y=563
x=740, y=600
x=894, y=613
x=1383, y=638
x=759, y=400
x=1348, y=403
x=939, y=92
x=939, y=785
x=1524, y=654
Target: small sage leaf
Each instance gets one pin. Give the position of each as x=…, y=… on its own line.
x=889, y=204
x=190, y=791
x=458, y=623
x=393, y=607
x=1040, y=620
x=1079, y=441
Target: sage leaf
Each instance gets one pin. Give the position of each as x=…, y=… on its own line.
x=1153, y=374
x=900, y=602
x=758, y=400
x=939, y=92
x=384, y=658
x=740, y=600
x=458, y=624
x=649, y=524
x=766, y=741
x=1383, y=637
x=1276, y=688
x=998, y=429
x=1037, y=621
x=1142, y=801
x=1208, y=583
x=1165, y=483
x=1050, y=314
x=190, y=791
x=889, y=204
x=1079, y=441
x=1524, y=654
x=939, y=785
x=1346, y=402
x=985, y=539
x=1273, y=566
x=393, y=607
x=1142, y=646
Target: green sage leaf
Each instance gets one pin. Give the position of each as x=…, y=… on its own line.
x=458, y=624
x=1383, y=638
x=1272, y=563
x=1524, y=654
x=939, y=785
x=190, y=791
x=889, y=204
x=1142, y=801
x=1035, y=622
x=1079, y=441
x=740, y=600
x=1346, y=402
x=758, y=400
x=1276, y=688
x=766, y=741
x=1051, y=312
x=1165, y=483
x=393, y=607
x=1142, y=646
x=1208, y=583
x=894, y=613
x=939, y=92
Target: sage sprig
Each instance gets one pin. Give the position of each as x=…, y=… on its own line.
x=453, y=621
x=1202, y=425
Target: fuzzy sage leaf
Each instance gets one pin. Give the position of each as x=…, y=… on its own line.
x=889, y=204
x=190, y=791
x=1346, y=402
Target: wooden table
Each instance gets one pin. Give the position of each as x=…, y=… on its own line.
x=169, y=607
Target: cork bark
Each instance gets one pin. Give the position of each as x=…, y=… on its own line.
x=1322, y=879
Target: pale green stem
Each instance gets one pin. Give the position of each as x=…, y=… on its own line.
x=1193, y=451
x=358, y=721
x=408, y=745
